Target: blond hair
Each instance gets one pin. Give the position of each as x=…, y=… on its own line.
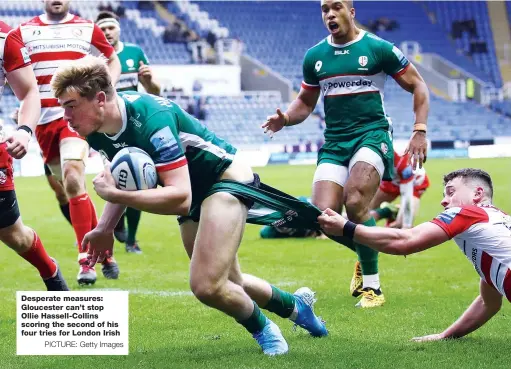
x=86, y=76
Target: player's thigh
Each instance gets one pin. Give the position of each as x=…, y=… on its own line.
x=328, y=185
x=366, y=170
x=380, y=197
x=221, y=227
x=188, y=229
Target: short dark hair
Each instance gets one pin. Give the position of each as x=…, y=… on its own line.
x=105, y=14
x=471, y=173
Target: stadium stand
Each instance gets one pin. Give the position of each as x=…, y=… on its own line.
x=238, y=119
x=448, y=12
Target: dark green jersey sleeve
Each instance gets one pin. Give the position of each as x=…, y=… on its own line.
x=310, y=66
x=394, y=62
x=164, y=145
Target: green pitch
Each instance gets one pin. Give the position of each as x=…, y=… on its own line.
x=169, y=328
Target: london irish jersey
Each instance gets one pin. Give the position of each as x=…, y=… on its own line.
x=351, y=78
x=130, y=56
x=172, y=138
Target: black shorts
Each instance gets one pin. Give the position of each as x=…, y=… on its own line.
x=194, y=214
x=9, y=210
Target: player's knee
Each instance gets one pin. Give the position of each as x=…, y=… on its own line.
x=18, y=237
x=205, y=291
x=73, y=179
x=356, y=206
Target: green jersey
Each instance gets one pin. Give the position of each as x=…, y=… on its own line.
x=171, y=136
x=351, y=78
x=130, y=56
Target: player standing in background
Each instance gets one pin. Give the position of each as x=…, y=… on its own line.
x=190, y=161
x=481, y=231
x=15, y=67
x=349, y=68
x=52, y=39
x=408, y=184
x=134, y=69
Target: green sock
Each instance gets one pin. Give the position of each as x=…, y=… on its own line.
x=132, y=219
x=281, y=303
x=384, y=213
x=368, y=257
x=256, y=322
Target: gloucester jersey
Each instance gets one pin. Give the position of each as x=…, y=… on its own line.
x=51, y=44
x=483, y=233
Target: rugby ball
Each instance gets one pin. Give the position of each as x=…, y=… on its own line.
x=133, y=169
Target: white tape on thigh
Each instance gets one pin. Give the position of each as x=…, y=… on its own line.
x=331, y=172
x=73, y=148
x=367, y=155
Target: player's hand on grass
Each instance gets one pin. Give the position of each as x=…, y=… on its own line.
x=331, y=222
x=431, y=337
x=275, y=122
x=104, y=184
x=100, y=245
x=417, y=149
x=17, y=144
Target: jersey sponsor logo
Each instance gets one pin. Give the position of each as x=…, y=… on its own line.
x=24, y=54
x=120, y=145
x=362, y=60
x=165, y=144
x=341, y=52
x=45, y=46
x=3, y=176
x=127, y=80
x=346, y=84
x=318, y=65
x=448, y=215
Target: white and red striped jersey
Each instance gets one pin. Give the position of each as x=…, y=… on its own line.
x=483, y=233
x=51, y=44
x=13, y=54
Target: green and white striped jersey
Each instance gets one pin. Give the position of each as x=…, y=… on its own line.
x=352, y=78
x=130, y=56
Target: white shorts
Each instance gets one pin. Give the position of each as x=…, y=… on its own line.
x=339, y=174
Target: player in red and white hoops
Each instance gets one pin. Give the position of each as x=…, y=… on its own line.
x=481, y=231
x=15, y=67
x=51, y=40
x=408, y=184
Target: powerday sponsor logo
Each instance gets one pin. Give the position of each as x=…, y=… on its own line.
x=346, y=86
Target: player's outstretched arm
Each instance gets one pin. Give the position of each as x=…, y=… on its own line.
x=386, y=240
x=484, y=307
x=296, y=113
